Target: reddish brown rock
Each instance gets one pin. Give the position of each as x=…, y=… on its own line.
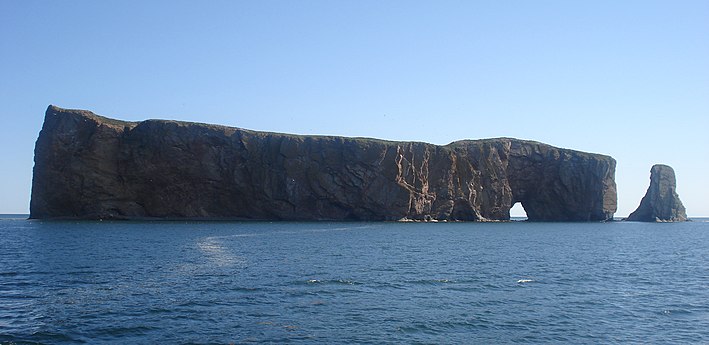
x=661, y=202
x=92, y=167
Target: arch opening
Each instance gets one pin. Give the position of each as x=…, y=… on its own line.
x=517, y=212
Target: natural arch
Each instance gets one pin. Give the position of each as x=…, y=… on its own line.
x=517, y=212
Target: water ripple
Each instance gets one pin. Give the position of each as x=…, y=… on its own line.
x=221, y=283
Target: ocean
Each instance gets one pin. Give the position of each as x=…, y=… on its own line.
x=367, y=283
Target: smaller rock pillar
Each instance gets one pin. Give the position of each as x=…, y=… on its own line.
x=661, y=202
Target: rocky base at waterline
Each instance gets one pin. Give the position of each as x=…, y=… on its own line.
x=661, y=202
x=91, y=167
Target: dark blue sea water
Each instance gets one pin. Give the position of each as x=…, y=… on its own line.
x=239, y=282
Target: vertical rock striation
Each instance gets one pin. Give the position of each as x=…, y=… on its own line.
x=661, y=202
x=92, y=167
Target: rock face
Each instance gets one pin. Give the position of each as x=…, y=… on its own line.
x=92, y=167
x=661, y=202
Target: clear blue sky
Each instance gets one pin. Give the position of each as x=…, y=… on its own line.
x=625, y=78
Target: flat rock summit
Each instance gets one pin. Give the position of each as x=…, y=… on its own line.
x=92, y=167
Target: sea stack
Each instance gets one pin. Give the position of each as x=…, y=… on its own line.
x=92, y=167
x=661, y=202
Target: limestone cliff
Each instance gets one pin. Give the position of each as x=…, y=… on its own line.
x=92, y=167
x=661, y=202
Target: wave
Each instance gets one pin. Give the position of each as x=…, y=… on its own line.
x=333, y=281
x=291, y=232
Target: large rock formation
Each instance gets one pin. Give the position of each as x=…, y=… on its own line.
x=661, y=202
x=92, y=167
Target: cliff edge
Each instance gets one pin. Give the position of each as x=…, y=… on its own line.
x=661, y=202
x=92, y=167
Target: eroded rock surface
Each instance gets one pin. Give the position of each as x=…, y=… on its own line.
x=92, y=167
x=661, y=202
